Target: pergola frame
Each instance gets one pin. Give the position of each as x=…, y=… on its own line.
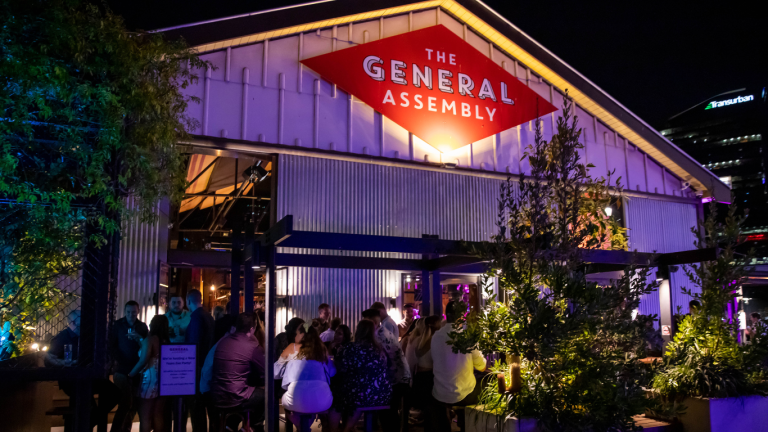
x=438, y=256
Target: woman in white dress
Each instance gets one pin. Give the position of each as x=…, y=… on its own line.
x=151, y=404
x=307, y=378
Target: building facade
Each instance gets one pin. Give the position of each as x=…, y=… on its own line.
x=726, y=134
x=337, y=164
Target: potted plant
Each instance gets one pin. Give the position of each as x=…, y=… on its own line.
x=571, y=345
x=708, y=381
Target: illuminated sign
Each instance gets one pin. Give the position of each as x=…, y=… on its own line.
x=736, y=100
x=433, y=84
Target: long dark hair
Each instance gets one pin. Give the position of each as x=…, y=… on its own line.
x=347, y=333
x=312, y=347
x=258, y=329
x=159, y=327
x=291, y=328
x=365, y=334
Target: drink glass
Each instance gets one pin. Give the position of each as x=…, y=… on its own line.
x=68, y=354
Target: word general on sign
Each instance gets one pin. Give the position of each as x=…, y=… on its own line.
x=433, y=84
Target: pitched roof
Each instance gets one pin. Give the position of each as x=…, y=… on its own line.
x=250, y=28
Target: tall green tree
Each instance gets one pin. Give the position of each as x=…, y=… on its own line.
x=577, y=342
x=705, y=359
x=91, y=113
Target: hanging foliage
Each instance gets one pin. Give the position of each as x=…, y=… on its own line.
x=91, y=114
x=576, y=341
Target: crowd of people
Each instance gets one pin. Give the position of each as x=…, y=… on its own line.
x=322, y=368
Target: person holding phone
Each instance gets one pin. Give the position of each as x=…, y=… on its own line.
x=124, y=345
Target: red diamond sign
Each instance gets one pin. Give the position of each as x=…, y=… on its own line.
x=434, y=84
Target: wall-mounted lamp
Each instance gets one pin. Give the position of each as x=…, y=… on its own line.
x=213, y=287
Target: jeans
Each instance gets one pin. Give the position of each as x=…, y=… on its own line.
x=126, y=407
x=390, y=420
x=440, y=411
x=196, y=407
x=108, y=398
x=256, y=404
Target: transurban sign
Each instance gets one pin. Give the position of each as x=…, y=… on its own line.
x=433, y=84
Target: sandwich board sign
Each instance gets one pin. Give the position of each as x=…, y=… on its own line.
x=178, y=370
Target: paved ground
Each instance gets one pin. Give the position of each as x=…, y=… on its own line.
x=649, y=425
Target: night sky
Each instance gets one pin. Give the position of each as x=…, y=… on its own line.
x=656, y=58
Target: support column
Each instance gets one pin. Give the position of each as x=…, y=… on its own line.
x=237, y=260
x=426, y=293
x=665, y=303
x=437, y=294
x=248, y=270
x=428, y=300
x=271, y=422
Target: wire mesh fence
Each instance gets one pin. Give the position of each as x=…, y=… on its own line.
x=55, y=301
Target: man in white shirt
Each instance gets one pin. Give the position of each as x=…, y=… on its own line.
x=328, y=335
x=178, y=320
x=455, y=383
x=386, y=321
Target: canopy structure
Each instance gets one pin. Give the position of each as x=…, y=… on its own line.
x=438, y=255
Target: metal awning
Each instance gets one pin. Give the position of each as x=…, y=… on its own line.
x=437, y=256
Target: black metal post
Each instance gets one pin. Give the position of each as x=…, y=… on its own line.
x=180, y=423
x=248, y=269
x=271, y=423
x=81, y=403
x=237, y=261
x=426, y=308
x=437, y=294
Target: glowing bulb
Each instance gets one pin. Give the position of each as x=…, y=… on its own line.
x=45, y=348
x=35, y=346
x=608, y=211
x=213, y=288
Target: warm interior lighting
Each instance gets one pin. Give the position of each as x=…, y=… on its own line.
x=213, y=288
x=45, y=348
x=35, y=347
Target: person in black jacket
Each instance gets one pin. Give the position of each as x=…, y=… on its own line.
x=200, y=332
x=124, y=344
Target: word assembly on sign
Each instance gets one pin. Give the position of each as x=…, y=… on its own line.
x=435, y=85
x=736, y=100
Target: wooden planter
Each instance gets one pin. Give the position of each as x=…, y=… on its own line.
x=478, y=420
x=725, y=414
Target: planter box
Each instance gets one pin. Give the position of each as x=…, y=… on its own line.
x=725, y=415
x=478, y=420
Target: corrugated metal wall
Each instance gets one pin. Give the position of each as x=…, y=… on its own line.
x=141, y=246
x=662, y=226
x=338, y=196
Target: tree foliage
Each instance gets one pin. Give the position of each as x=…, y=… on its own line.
x=572, y=335
x=705, y=359
x=91, y=115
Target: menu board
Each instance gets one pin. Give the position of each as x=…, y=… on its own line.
x=177, y=370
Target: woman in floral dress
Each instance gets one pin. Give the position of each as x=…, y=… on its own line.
x=362, y=367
